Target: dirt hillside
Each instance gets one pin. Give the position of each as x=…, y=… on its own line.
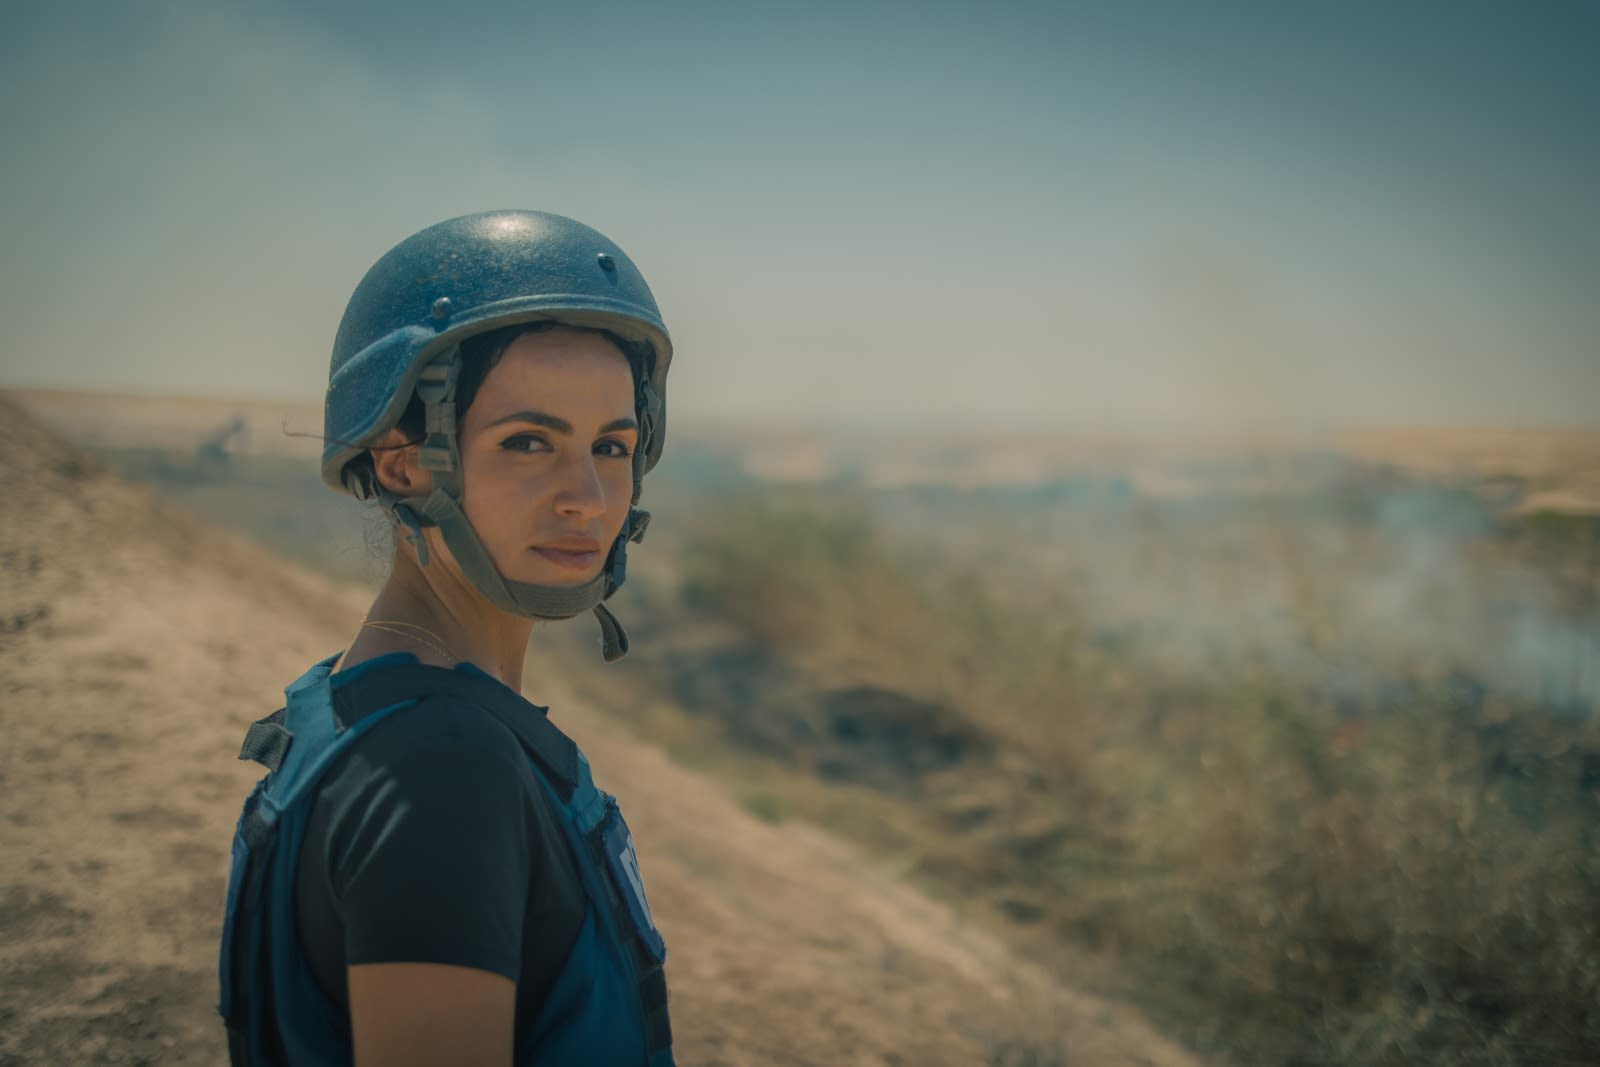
x=136, y=644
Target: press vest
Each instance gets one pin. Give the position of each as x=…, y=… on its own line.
x=609, y=1003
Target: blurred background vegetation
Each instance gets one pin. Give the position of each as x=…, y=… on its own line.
x=1305, y=763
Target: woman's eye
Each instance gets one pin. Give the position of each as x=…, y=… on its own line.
x=613, y=450
x=525, y=442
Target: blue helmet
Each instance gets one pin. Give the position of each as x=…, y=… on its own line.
x=468, y=275
x=401, y=335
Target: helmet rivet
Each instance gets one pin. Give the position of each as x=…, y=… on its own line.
x=441, y=308
x=607, y=264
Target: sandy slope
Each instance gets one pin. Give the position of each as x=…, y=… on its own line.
x=136, y=644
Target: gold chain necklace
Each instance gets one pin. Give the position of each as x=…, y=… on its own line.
x=424, y=635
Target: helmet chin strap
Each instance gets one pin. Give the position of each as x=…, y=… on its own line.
x=441, y=508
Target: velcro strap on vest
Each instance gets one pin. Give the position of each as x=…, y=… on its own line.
x=239, y=1047
x=267, y=741
x=657, y=1025
x=373, y=690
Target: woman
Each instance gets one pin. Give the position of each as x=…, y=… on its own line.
x=427, y=874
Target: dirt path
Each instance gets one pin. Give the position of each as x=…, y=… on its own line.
x=136, y=644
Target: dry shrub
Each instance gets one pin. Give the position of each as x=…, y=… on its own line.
x=1402, y=912
x=774, y=571
x=815, y=583
x=1278, y=880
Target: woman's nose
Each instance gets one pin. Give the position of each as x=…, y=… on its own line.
x=580, y=493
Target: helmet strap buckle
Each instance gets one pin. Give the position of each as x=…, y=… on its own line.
x=436, y=387
x=413, y=526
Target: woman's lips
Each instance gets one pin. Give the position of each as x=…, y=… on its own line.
x=570, y=559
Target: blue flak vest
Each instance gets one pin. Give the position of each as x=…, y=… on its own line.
x=609, y=1003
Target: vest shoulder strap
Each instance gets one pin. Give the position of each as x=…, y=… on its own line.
x=372, y=691
x=267, y=741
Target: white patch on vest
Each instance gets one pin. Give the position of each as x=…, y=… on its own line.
x=630, y=867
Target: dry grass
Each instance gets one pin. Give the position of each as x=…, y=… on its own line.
x=1399, y=870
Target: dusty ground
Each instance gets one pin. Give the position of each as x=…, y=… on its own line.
x=266, y=427
x=135, y=646
x=1559, y=469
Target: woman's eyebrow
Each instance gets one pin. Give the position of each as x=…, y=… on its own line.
x=560, y=425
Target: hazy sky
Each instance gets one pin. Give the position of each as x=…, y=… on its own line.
x=997, y=214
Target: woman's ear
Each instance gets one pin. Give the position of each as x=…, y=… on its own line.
x=394, y=460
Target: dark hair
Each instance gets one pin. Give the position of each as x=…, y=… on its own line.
x=479, y=355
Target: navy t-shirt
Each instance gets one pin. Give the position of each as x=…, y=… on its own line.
x=432, y=841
